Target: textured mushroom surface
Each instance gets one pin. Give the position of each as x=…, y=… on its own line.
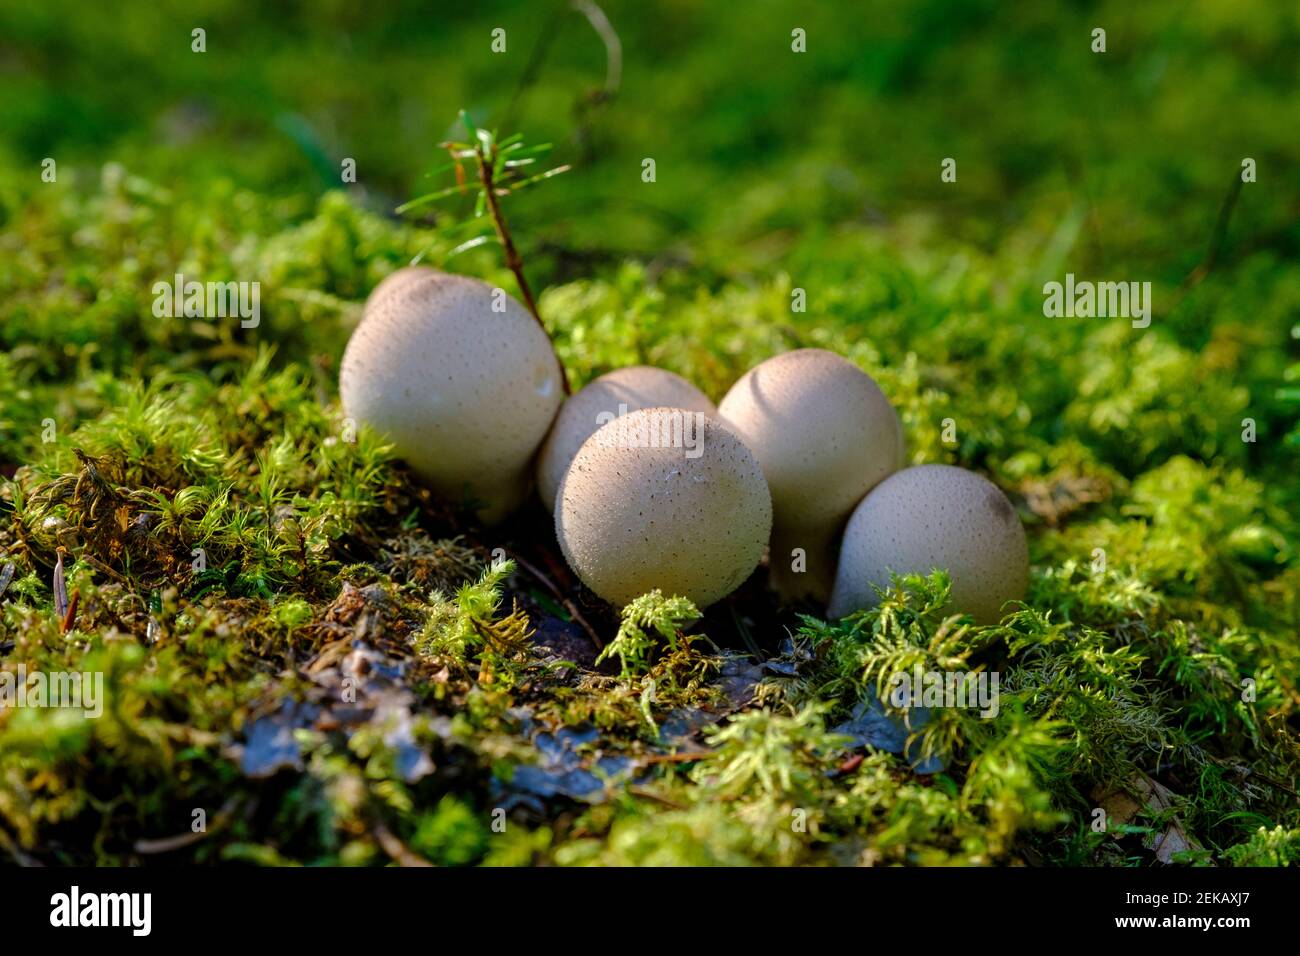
x=619, y=392
x=465, y=392
x=825, y=435
x=631, y=517
x=928, y=517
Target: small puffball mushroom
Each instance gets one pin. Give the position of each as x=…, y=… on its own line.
x=663, y=498
x=616, y=393
x=928, y=517
x=825, y=435
x=461, y=378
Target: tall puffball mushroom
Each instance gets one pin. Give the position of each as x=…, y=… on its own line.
x=663, y=498
x=928, y=517
x=825, y=435
x=601, y=401
x=461, y=378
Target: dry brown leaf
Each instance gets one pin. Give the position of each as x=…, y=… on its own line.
x=1143, y=794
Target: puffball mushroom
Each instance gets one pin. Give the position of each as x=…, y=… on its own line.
x=616, y=393
x=825, y=435
x=465, y=391
x=928, y=517
x=663, y=498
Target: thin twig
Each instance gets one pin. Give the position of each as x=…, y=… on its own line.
x=587, y=108
x=535, y=60
x=647, y=794
x=613, y=46
x=169, y=844
x=1217, y=238
x=559, y=596
x=1278, y=784
x=10, y=845
x=604, y=29
x=100, y=565
x=147, y=847
x=398, y=851
x=688, y=757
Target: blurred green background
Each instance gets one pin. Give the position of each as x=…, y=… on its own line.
x=751, y=140
x=823, y=166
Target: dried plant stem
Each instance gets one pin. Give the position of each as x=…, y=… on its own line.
x=71, y=616
x=1217, y=238
x=60, y=588
x=562, y=598
x=397, y=851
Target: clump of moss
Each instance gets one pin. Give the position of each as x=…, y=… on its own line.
x=237, y=554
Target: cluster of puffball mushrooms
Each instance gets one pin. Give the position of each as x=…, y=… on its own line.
x=650, y=484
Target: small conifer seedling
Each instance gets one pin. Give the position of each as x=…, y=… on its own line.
x=457, y=374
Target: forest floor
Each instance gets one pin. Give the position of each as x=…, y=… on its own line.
x=305, y=658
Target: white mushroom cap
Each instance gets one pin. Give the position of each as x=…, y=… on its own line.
x=690, y=517
x=928, y=517
x=619, y=392
x=825, y=435
x=465, y=393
